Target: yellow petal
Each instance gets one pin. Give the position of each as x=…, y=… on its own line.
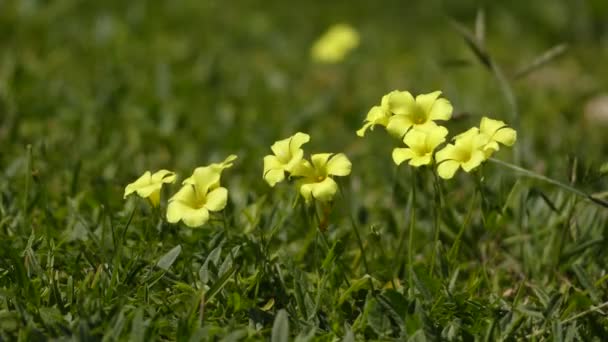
x=163, y=176
x=154, y=198
x=297, y=140
x=398, y=125
x=324, y=191
x=401, y=102
x=477, y=157
x=191, y=217
x=471, y=131
x=506, y=136
x=147, y=190
x=303, y=169
x=441, y=110
x=489, y=126
x=272, y=177
x=436, y=137
x=227, y=163
x=491, y=147
x=216, y=199
x=446, y=153
x=402, y=154
x=319, y=160
x=306, y=191
x=296, y=158
x=271, y=162
x=142, y=181
x=420, y=160
x=205, y=178
x=361, y=131
x=416, y=140
x=339, y=165
x=426, y=101
x=447, y=169
x=186, y=195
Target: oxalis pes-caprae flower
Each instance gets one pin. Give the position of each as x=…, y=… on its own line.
x=413, y=121
x=314, y=180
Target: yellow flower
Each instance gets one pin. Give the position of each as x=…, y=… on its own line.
x=317, y=182
x=200, y=194
x=149, y=185
x=421, y=144
x=378, y=115
x=422, y=110
x=335, y=44
x=465, y=153
x=495, y=131
x=287, y=154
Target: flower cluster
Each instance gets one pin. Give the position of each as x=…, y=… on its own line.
x=413, y=120
x=314, y=178
x=200, y=194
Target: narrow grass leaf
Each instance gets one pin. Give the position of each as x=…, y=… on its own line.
x=586, y=282
x=542, y=60
x=280, y=327
x=169, y=258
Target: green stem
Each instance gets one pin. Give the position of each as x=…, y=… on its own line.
x=437, y=208
x=358, y=236
x=546, y=179
x=328, y=246
x=456, y=246
x=410, y=244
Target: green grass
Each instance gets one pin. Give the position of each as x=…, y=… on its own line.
x=92, y=95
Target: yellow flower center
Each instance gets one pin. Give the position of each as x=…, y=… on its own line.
x=200, y=201
x=320, y=178
x=419, y=116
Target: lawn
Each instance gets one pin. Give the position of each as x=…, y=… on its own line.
x=94, y=94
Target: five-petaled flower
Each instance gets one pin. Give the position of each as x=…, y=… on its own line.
x=149, y=185
x=200, y=194
x=316, y=182
x=287, y=154
x=465, y=153
x=495, y=131
x=414, y=112
x=335, y=44
x=421, y=143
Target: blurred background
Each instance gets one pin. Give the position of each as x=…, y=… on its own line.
x=106, y=90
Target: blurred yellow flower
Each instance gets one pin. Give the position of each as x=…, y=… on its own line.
x=200, y=194
x=287, y=154
x=465, y=153
x=378, y=115
x=335, y=44
x=413, y=112
x=421, y=144
x=149, y=185
x=317, y=182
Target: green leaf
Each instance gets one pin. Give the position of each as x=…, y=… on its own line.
x=138, y=330
x=584, y=279
x=355, y=286
x=280, y=327
x=169, y=258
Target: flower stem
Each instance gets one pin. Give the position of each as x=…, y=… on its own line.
x=538, y=176
x=456, y=246
x=436, y=211
x=410, y=244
